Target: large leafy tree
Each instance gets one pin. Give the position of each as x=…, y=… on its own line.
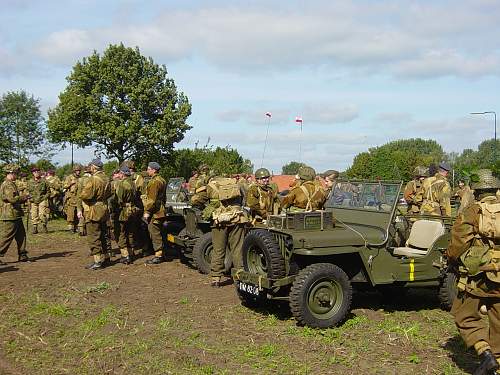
x=292, y=167
x=396, y=160
x=22, y=128
x=123, y=103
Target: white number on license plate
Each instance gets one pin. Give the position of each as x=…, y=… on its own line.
x=251, y=289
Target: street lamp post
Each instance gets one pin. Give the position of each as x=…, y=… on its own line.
x=495, y=117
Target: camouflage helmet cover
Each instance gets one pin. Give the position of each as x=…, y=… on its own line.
x=485, y=180
x=306, y=173
x=77, y=167
x=262, y=173
x=11, y=168
x=420, y=171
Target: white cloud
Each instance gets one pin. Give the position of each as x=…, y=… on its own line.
x=419, y=41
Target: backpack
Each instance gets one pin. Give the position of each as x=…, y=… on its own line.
x=223, y=189
x=489, y=220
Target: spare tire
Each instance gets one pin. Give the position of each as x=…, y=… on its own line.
x=202, y=255
x=448, y=290
x=262, y=255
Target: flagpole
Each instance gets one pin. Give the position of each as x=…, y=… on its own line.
x=300, y=144
x=268, y=115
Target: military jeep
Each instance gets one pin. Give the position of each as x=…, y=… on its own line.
x=187, y=230
x=361, y=240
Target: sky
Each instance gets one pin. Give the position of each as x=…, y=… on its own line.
x=359, y=73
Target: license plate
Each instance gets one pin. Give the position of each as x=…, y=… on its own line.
x=170, y=238
x=251, y=289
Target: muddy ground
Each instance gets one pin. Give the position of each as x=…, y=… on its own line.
x=58, y=318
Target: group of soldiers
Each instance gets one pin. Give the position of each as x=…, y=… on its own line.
x=131, y=206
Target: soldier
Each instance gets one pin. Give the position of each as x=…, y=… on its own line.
x=82, y=230
x=95, y=196
x=199, y=199
x=307, y=196
x=475, y=239
x=70, y=187
x=125, y=199
x=414, y=193
x=262, y=199
x=55, y=187
x=154, y=210
x=192, y=182
x=38, y=203
x=465, y=196
x=11, y=213
x=437, y=193
x=228, y=228
x=330, y=179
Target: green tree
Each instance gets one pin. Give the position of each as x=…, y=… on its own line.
x=292, y=168
x=123, y=103
x=395, y=160
x=22, y=128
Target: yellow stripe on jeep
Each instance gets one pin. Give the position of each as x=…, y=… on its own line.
x=412, y=269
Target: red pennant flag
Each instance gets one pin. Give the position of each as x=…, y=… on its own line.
x=298, y=120
x=268, y=114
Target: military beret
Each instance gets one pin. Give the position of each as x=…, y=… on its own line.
x=154, y=165
x=11, y=168
x=35, y=169
x=444, y=165
x=125, y=170
x=97, y=162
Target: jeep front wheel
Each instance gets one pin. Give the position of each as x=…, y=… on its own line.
x=262, y=255
x=448, y=290
x=320, y=296
x=202, y=255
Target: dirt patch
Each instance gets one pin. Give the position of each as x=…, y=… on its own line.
x=59, y=318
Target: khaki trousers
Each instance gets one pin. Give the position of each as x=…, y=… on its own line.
x=12, y=230
x=39, y=213
x=97, y=237
x=155, y=228
x=226, y=236
x=471, y=324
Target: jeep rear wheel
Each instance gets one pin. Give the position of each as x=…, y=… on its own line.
x=262, y=255
x=448, y=290
x=202, y=255
x=320, y=296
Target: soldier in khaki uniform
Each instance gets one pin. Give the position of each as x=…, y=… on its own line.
x=307, y=196
x=55, y=187
x=199, y=199
x=192, y=182
x=124, y=200
x=82, y=229
x=11, y=213
x=228, y=229
x=414, y=192
x=475, y=240
x=38, y=203
x=154, y=211
x=465, y=196
x=70, y=187
x=437, y=193
x=262, y=199
x=95, y=196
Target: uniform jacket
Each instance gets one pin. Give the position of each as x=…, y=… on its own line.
x=313, y=199
x=437, y=193
x=95, y=195
x=154, y=202
x=70, y=186
x=10, y=201
x=38, y=190
x=125, y=198
x=261, y=200
x=413, y=195
x=464, y=236
x=54, y=184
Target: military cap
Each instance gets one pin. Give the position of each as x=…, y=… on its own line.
x=485, y=180
x=204, y=168
x=97, y=162
x=307, y=173
x=10, y=168
x=154, y=165
x=260, y=173
x=51, y=172
x=35, y=169
x=444, y=165
x=420, y=171
x=125, y=170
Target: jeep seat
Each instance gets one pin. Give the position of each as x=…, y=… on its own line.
x=422, y=236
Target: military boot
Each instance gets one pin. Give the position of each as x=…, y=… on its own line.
x=24, y=258
x=44, y=228
x=156, y=260
x=488, y=364
x=215, y=283
x=35, y=229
